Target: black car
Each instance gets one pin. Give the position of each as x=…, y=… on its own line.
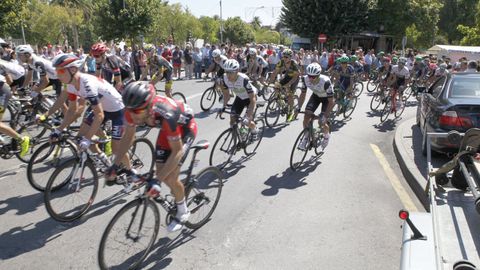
x=451, y=103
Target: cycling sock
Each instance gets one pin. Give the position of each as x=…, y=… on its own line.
x=181, y=207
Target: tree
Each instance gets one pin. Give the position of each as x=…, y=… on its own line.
x=393, y=15
x=267, y=36
x=308, y=18
x=471, y=35
x=210, y=29
x=256, y=23
x=454, y=13
x=237, y=31
x=427, y=14
x=11, y=15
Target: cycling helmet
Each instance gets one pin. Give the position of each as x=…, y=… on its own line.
x=314, y=69
x=3, y=42
x=231, y=65
x=287, y=52
x=394, y=59
x=353, y=58
x=98, y=48
x=343, y=59
x=252, y=51
x=216, y=53
x=381, y=53
x=387, y=59
x=148, y=47
x=418, y=59
x=65, y=60
x=136, y=95
x=443, y=66
x=24, y=49
x=402, y=60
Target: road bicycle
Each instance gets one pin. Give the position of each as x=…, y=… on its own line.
x=132, y=232
x=345, y=103
x=234, y=139
x=72, y=187
x=209, y=96
x=400, y=103
x=308, y=139
x=278, y=106
x=378, y=98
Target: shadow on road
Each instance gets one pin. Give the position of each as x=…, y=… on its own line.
x=420, y=160
x=23, y=204
x=386, y=126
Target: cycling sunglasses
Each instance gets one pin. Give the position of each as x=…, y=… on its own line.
x=312, y=77
x=61, y=71
x=136, y=111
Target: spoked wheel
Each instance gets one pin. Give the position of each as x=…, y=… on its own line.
x=253, y=143
x=223, y=149
x=272, y=113
x=387, y=108
x=375, y=102
x=350, y=107
x=45, y=160
x=267, y=92
x=142, y=131
x=371, y=85
x=202, y=196
x=298, y=153
x=208, y=99
x=142, y=155
x=400, y=106
x=179, y=97
x=78, y=188
x=358, y=89
x=407, y=93
x=129, y=236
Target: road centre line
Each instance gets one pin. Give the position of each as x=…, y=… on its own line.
x=394, y=181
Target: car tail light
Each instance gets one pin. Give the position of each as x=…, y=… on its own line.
x=452, y=120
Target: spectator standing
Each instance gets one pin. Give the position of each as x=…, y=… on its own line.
x=205, y=55
x=324, y=61
x=187, y=55
x=198, y=60
x=368, y=61
x=177, y=62
x=273, y=60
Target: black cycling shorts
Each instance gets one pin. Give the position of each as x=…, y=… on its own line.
x=5, y=95
x=18, y=82
x=315, y=101
x=287, y=79
x=239, y=104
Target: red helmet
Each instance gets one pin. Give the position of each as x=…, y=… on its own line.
x=387, y=59
x=98, y=49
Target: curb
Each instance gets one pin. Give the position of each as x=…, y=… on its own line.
x=409, y=169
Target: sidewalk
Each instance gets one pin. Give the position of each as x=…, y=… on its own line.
x=407, y=145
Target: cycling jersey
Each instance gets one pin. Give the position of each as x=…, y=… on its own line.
x=241, y=87
x=345, y=76
x=420, y=69
x=261, y=61
x=358, y=67
x=96, y=90
x=323, y=87
x=439, y=73
x=158, y=62
x=14, y=70
x=175, y=120
x=290, y=71
x=114, y=66
x=401, y=75
x=43, y=67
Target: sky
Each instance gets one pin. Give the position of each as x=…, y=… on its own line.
x=245, y=9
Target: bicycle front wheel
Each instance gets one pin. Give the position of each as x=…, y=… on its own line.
x=179, y=97
x=371, y=85
x=202, y=196
x=401, y=103
x=298, y=152
x=45, y=160
x=358, y=89
x=223, y=149
x=78, y=188
x=272, y=113
x=129, y=236
x=350, y=107
x=386, y=111
x=252, y=143
x=142, y=155
x=375, y=102
x=208, y=99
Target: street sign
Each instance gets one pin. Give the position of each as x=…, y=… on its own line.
x=322, y=38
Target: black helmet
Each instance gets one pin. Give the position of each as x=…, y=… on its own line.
x=136, y=95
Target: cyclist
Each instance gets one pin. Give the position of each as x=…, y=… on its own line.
x=257, y=67
x=105, y=104
x=5, y=95
x=110, y=65
x=441, y=71
x=343, y=77
x=16, y=72
x=322, y=93
x=245, y=93
x=44, y=67
x=397, y=79
x=291, y=73
x=178, y=130
x=217, y=65
x=161, y=68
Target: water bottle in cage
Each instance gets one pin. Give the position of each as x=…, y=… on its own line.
x=243, y=133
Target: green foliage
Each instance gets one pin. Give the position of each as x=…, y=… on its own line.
x=309, y=18
x=394, y=15
x=471, y=35
x=210, y=29
x=12, y=13
x=267, y=36
x=455, y=13
x=237, y=31
x=256, y=23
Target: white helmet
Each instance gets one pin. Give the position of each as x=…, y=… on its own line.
x=24, y=49
x=402, y=60
x=443, y=66
x=216, y=53
x=252, y=51
x=314, y=69
x=2, y=42
x=231, y=65
x=65, y=60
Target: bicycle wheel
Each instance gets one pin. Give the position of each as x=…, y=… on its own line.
x=202, y=196
x=267, y=92
x=142, y=155
x=387, y=108
x=252, y=145
x=8, y=116
x=358, y=89
x=298, y=155
x=400, y=106
x=179, y=97
x=272, y=112
x=371, y=85
x=223, y=149
x=208, y=99
x=78, y=190
x=142, y=131
x=350, y=107
x=407, y=93
x=45, y=160
x=129, y=236
x=375, y=102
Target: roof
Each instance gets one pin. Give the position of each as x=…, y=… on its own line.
x=452, y=48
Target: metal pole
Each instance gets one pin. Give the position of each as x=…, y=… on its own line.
x=221, y=23
x=23, y=34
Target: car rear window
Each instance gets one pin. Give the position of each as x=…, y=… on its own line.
x=463, y=87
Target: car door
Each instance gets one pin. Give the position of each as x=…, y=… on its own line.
x=431, y=103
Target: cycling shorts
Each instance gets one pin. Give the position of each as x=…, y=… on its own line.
x=5, y=95
x=315, y=101
x=18, y=82
x=188, y=133
x=286, y=80
x=117, y=121
x=239, y=104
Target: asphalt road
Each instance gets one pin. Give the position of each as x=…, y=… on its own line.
x=339, y=212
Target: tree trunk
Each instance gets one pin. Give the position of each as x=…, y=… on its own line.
x=75, y=37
